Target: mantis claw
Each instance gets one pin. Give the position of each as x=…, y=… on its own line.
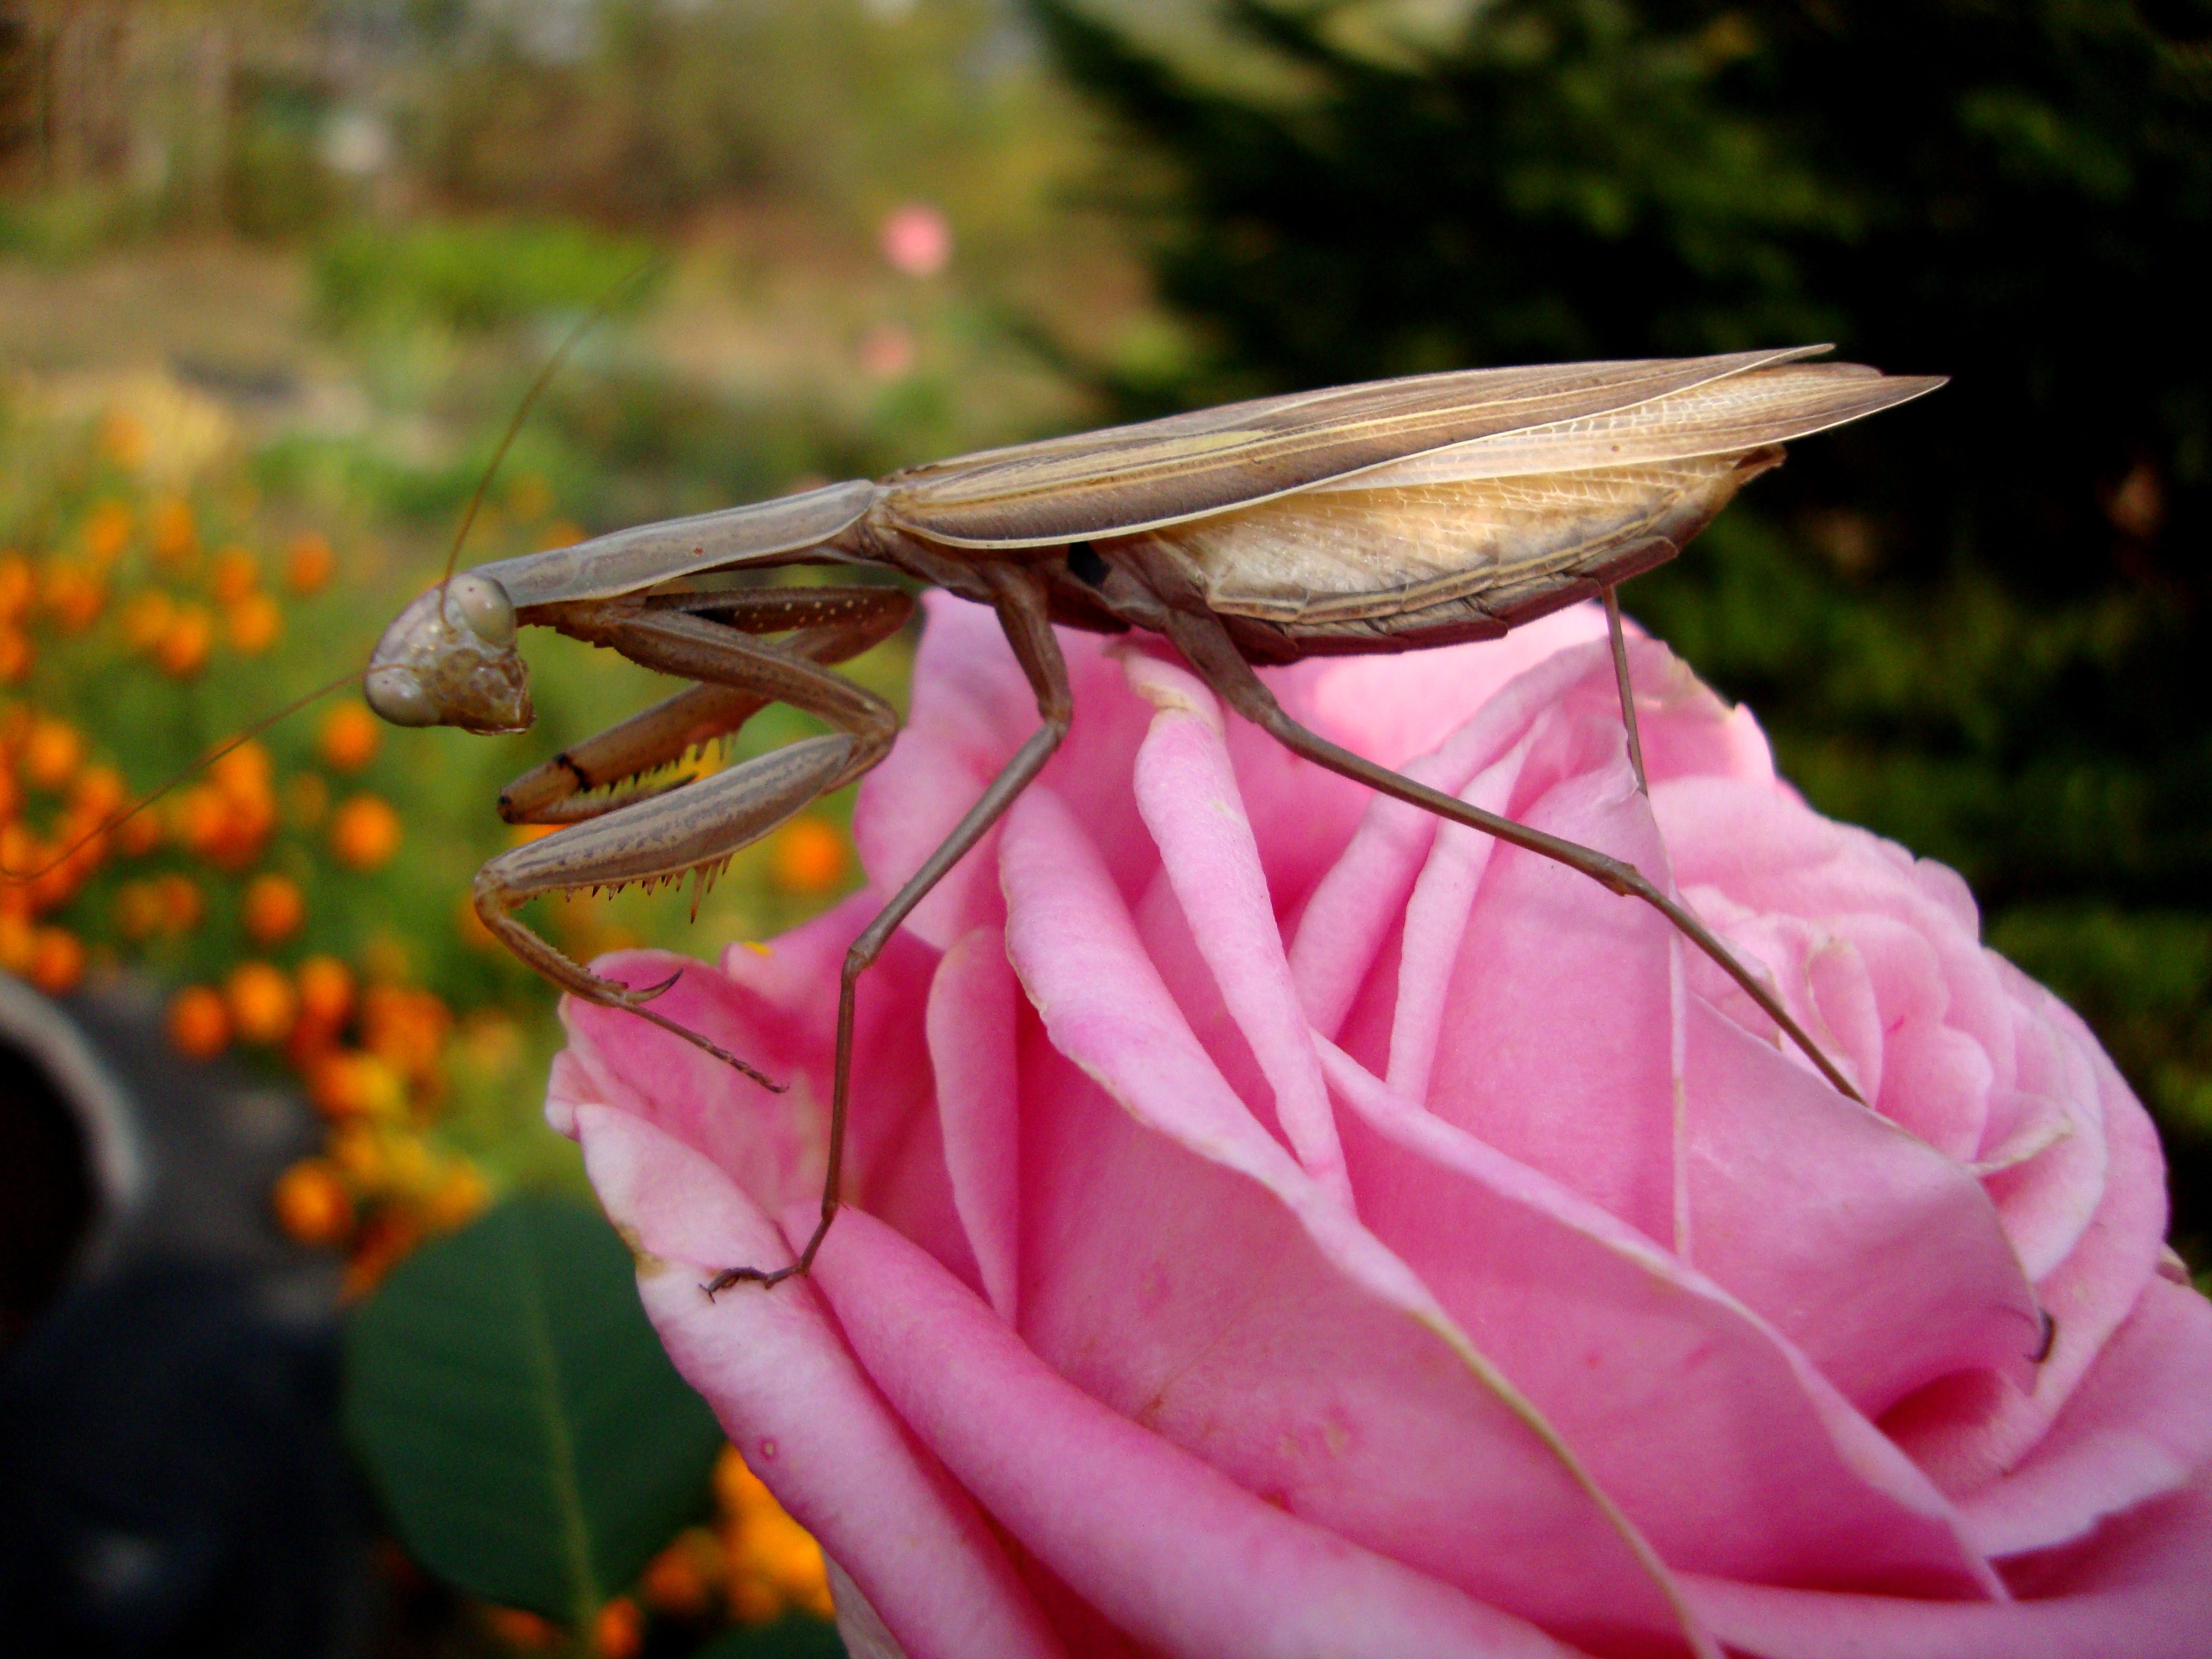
x=634, y=996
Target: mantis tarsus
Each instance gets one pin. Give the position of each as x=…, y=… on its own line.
x=1381, y=517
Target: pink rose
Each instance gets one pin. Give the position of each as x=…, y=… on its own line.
x=1282, y=1226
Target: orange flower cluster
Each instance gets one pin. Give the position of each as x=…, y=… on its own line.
x=756, y=1560
x=371, y=1060
x=42, y=767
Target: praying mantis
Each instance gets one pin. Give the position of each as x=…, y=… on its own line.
x=1386, y=516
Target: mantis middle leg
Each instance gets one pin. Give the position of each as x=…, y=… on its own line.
x=1019, y=597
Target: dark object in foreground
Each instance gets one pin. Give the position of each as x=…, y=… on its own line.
x=172, y=1480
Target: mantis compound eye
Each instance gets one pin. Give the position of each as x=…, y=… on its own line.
x=482, y=605
x=397, y=696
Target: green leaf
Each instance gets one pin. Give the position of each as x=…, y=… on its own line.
x=530, y=1438
x=794, y=1636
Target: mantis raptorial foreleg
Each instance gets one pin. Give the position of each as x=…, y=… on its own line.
x=1019, y=600
x=833, y=624
x=664, y=833
x=1207, y=647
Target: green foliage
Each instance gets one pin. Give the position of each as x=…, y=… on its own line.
x=472, y=274
x=530, y=1441
x=1978, y=624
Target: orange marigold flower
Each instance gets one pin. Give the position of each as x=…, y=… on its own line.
x=19, y=943
x=245, y=769
x=51, y=753
x=183, y=651
x=364, y=832
x=312, y=1203
x=261, y=1002
x=681, y=1581
x=174, y=536
x=310, y=564
x=107, y=532
x=773, y=1562
x=19, y=586
x=619, y=1630
x=57, y=961
x=273, y=908
x=809, y=856
x=181, y=904
x=350, y=737
x=139, y=833
x=11, y=793
x=76, y=595
x=232, y=575
x=326, y=991
x=457, y=1197
x=199, y=1023
x=146, y=617
x=406, y=1029
x=97, y=793
x=345, y=1083
x=16, y=655
x=254, y=623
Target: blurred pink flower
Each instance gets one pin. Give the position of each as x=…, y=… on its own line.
x=1283, y=1226
x=916, y=239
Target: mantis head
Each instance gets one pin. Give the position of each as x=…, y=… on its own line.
x=449, y=660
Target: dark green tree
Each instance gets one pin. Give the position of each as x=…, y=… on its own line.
x=1978, y=624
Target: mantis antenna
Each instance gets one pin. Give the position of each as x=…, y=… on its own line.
x=584, y=325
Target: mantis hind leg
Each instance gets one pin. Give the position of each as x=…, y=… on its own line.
x=1627, y=692
x=1205, y=645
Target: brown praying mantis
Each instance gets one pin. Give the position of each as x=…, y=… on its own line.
x=1388, y=516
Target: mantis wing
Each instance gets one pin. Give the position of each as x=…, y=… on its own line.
x=1129, y=478
x=1515, y=524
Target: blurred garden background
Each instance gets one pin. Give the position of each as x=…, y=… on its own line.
x=274, y=275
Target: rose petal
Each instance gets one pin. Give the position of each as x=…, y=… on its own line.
x=2137, y=1427
x=2142, y=1588
x=1967, y=1438
x=791, y=1398
x=971, y=1048
x=1882, y=1259
x=1716, y=1438
x=1549, y=952
x=1251, y=1319
x=1168, y=1549
x=1189, y=798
